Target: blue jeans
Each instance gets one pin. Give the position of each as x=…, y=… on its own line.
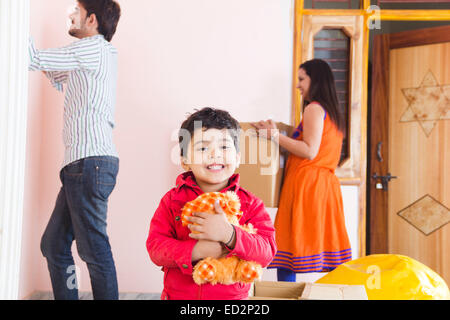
x=80, y=215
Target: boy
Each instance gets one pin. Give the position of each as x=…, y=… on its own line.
x=209, y=142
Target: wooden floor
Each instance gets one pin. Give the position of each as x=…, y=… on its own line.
x=88, y=296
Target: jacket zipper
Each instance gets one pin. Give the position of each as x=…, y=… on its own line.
x=199, y=296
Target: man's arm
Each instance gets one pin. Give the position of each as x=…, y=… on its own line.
x=80, y=55
x=57, y=78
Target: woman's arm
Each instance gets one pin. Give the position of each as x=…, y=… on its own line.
x=308, y=148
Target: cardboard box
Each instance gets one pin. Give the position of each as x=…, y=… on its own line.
x=262, y=164
x=268, y=290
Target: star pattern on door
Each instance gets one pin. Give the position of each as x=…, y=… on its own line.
x=427, y=104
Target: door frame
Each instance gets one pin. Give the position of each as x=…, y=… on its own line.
x=14, y=32
x=379, y=123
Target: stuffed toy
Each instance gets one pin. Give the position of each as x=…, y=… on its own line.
x=226, y=270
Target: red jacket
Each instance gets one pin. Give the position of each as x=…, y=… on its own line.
x=170, y=247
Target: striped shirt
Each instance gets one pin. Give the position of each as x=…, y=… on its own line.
x=88, y=69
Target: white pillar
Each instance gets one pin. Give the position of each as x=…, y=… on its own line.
x=14, y=30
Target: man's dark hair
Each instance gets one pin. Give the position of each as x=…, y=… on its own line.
x=107, y=13
x=207, y=118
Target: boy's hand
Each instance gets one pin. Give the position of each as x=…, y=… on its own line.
x=213, y=227
x=206, y=248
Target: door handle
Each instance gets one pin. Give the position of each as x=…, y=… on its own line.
x=379, y=157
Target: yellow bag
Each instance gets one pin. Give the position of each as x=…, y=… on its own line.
x=390, y=277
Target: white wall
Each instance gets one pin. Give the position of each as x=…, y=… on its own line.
x=173, y=56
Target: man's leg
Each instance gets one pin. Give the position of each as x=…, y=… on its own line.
x=88, y=203
x=56, y=247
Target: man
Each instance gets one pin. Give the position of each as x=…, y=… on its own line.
x=88, y=69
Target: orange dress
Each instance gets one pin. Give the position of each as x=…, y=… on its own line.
x=310, y=225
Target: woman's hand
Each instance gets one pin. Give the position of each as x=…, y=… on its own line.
x=266, y=129
x=212, y=227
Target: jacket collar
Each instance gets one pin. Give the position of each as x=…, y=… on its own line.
x=187, y=179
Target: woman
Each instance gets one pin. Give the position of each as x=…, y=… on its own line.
x=310, y=225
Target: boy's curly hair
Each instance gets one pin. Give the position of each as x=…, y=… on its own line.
x=208, y=118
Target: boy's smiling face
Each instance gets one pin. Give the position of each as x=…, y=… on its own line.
x=212, y=158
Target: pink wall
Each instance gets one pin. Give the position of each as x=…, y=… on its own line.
x=44, y=149
x=173, y=56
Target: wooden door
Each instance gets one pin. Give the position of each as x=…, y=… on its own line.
x=410, y=139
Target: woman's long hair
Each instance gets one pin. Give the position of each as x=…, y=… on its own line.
x=322, y=89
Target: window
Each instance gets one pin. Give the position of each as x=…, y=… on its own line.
x=412, y=4
x=333, y=46
x=332, y=4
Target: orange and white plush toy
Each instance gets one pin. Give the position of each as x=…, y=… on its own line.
x=226, y=270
